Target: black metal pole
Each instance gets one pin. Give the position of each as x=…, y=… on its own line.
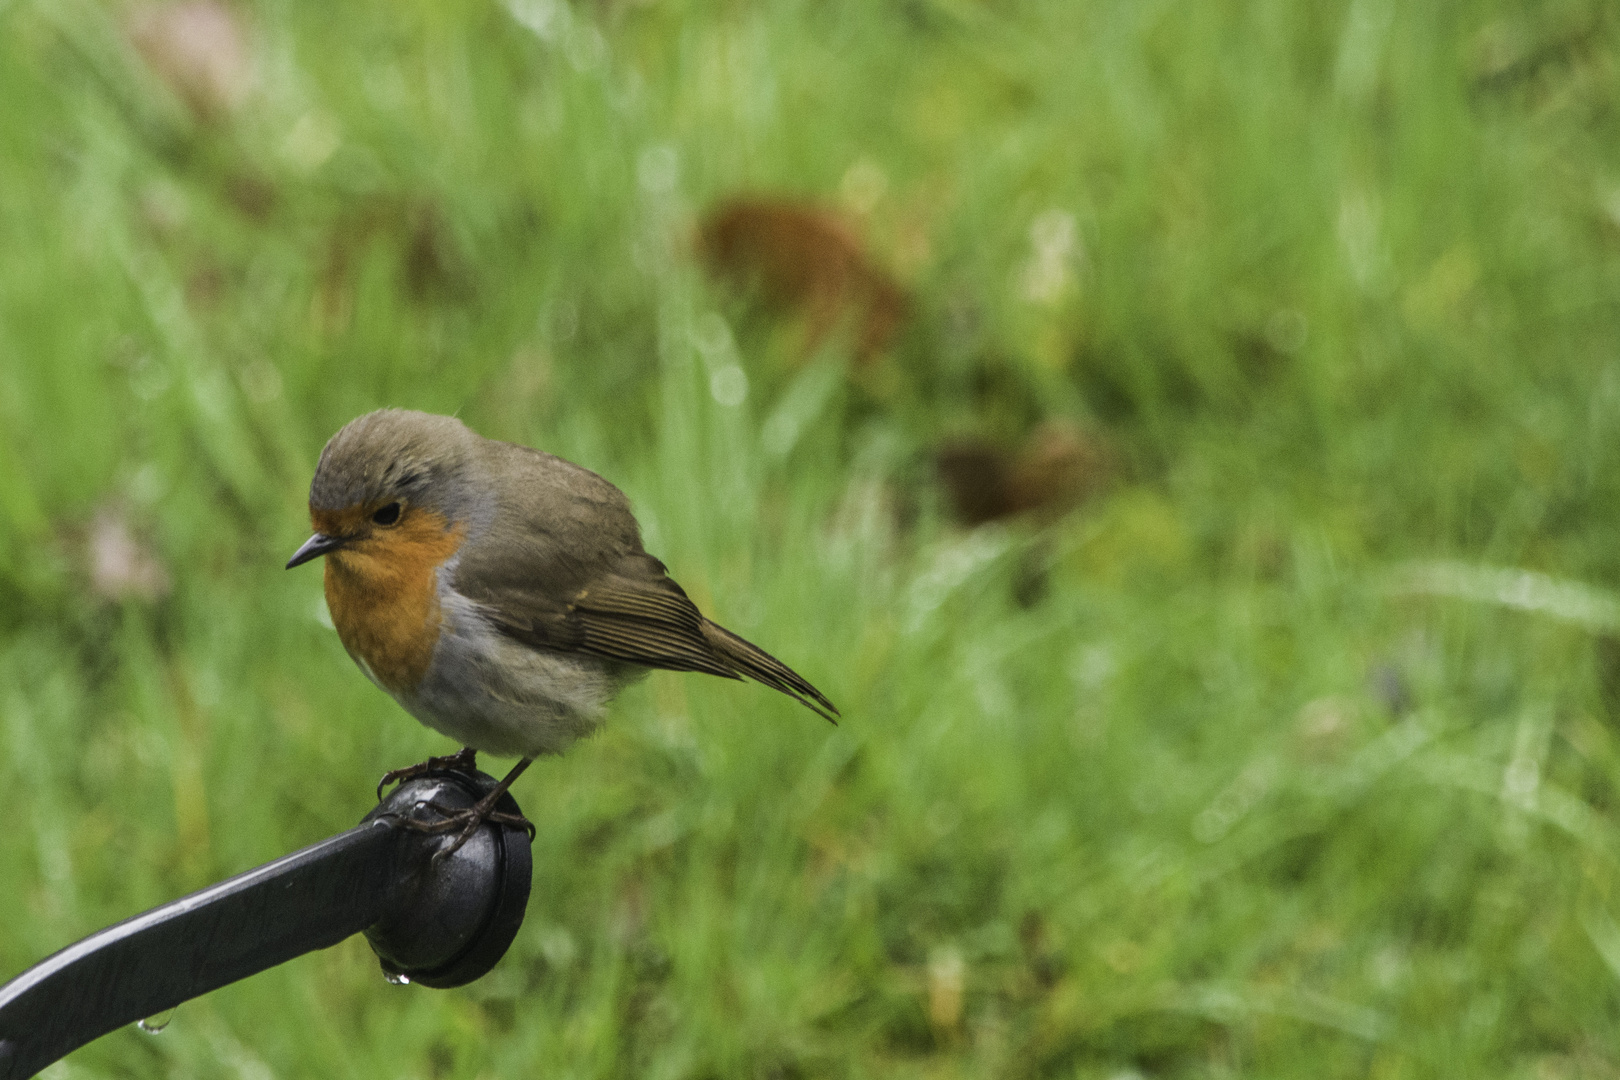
x=441, y=923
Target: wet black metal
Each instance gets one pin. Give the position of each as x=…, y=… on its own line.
x=451, y=921
x=439, y=923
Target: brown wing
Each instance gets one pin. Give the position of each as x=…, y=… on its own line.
x=571, y=575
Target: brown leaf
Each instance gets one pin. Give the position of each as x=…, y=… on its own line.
x=806, y=260
x=1056, y=469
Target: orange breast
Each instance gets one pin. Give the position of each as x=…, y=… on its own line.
x=384, y=598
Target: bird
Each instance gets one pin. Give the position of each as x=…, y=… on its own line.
x=500, y=594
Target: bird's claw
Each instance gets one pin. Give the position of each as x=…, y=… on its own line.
x=463, y=760
x=469, y=820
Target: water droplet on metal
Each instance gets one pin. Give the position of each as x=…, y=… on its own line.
x=154, y=1024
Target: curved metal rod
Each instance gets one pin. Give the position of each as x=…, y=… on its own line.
x=378, y=872
x=225, y=932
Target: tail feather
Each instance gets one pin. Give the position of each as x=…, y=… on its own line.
x=749, y=659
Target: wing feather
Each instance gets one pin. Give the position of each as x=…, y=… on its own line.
x=563, y=569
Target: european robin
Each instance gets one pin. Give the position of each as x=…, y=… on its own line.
x=500, y=594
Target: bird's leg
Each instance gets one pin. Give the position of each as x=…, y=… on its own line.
x=469, y=820
x=463, y=760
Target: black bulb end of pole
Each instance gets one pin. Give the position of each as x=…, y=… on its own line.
x=457, y=915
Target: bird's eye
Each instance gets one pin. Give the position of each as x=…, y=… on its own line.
x=387, y=515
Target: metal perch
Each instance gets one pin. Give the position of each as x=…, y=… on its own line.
x=439, y=923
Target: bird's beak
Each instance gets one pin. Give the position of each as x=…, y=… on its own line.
x=315, y=546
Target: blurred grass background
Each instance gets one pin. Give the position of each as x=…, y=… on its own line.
x=1190, y=462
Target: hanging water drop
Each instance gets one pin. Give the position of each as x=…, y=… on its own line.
x=154, y=1024
x=397, y=978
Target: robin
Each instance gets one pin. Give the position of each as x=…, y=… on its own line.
x=500, y=594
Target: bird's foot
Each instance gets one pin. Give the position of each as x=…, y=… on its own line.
x=463, y=760
x=468, y=820
x=471, y=818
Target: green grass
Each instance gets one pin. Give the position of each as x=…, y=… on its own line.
x=1223, y=801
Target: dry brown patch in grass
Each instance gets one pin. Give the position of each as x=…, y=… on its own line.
x=1056, y=469
x=805, y=260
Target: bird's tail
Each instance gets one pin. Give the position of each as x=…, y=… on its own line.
x=746, y=658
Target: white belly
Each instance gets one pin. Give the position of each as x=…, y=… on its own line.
x=492, y=693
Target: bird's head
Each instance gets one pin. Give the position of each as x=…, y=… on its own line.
x=389, y=480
